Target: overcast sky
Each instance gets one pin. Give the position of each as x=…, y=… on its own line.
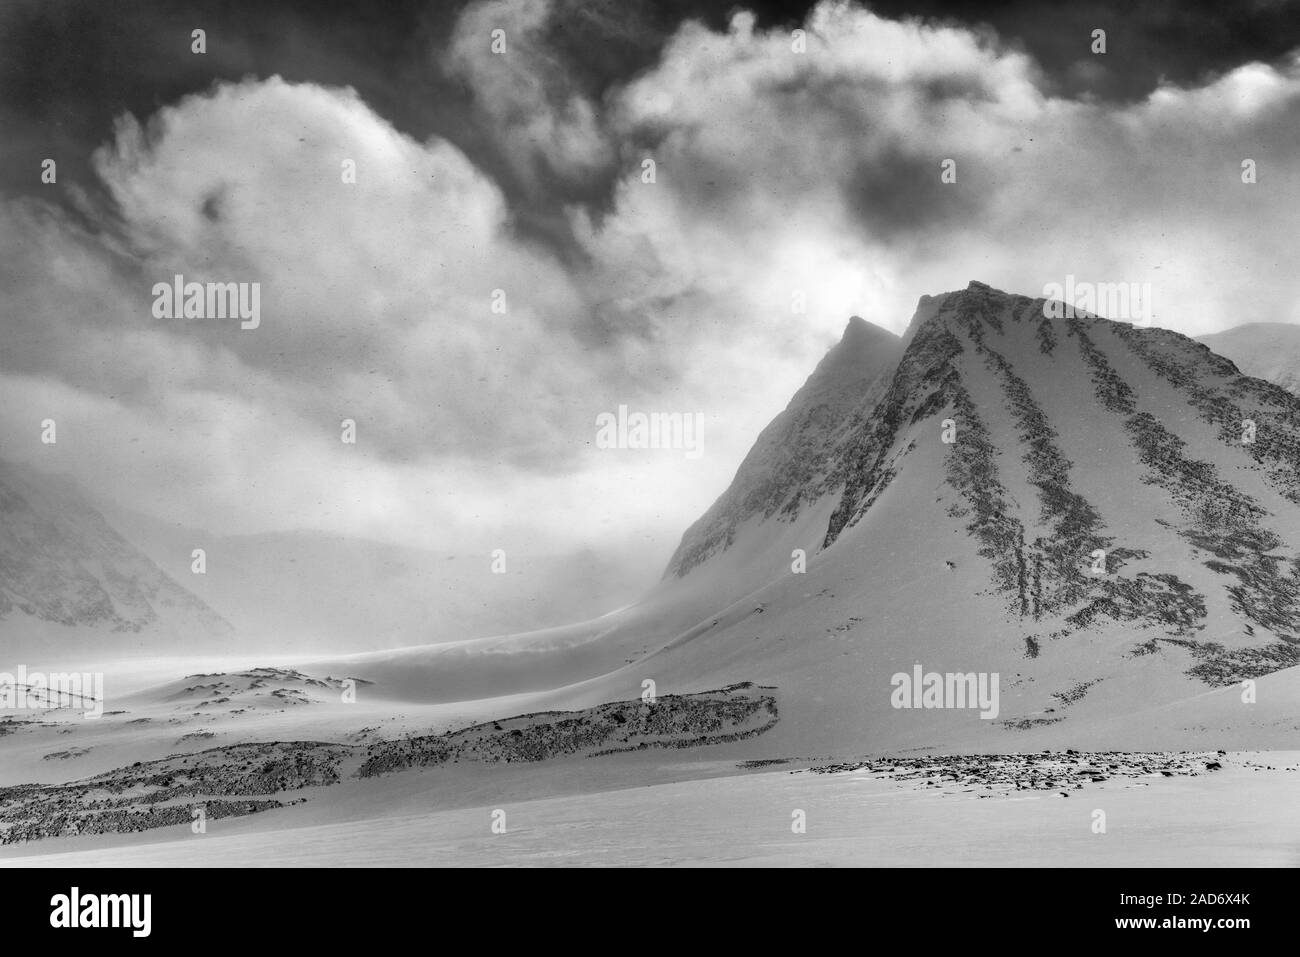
x=777, y=172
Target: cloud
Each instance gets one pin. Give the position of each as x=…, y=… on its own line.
x=783, y=179
x=546, y=128
x=376, y=296
x=475, y=428
x=820, y=171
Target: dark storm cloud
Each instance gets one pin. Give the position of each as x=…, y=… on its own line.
x=68, y=67
x=1176, y=41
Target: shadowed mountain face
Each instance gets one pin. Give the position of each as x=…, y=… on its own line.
x=1265, y=350
x=62, y=564
x=800, y=455
x=1105, y=485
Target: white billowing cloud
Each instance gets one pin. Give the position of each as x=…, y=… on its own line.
x=777, y=174
x=820, y=170
x=376, y=296
x=376, y=306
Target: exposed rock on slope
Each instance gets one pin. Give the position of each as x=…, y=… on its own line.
x=238, y=780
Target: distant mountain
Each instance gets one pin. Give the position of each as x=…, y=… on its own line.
x=1265, y=350
x=69, y=579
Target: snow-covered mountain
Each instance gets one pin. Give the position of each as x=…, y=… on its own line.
x=1265, y=350
x=1056, y=428
x=69, y=582
x=1107, y=517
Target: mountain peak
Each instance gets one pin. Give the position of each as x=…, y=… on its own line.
x=859, y=330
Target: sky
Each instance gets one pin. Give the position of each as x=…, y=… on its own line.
x=501, y=273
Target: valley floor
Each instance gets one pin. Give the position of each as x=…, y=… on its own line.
x=289, y=774
x=658, y=810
